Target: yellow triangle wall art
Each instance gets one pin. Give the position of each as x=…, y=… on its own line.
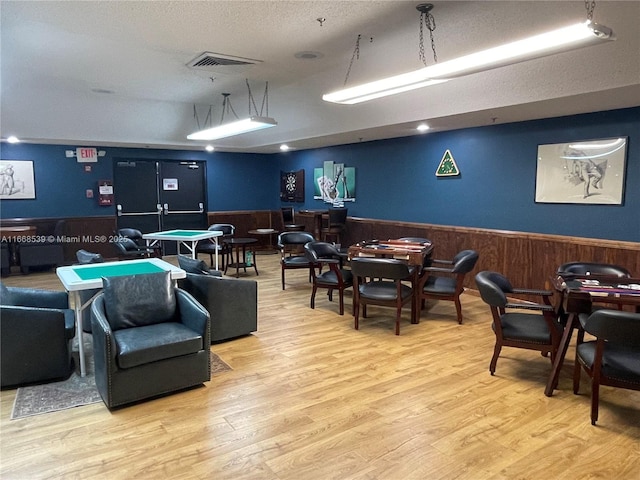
x=447, y=166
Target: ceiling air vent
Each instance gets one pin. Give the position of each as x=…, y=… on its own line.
x=221, y=63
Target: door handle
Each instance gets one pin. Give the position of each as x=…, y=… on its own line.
x=124, y=214
x=167, y=212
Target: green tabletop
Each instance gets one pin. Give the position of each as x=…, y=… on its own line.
x=99, y=271
x=182, y=233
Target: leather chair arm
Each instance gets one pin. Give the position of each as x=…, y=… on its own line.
x=31, y=297
x=444, y=262
x=530, y=306
x=437, y=270
x=104, y=343
x=530, y=291
x=193, y=315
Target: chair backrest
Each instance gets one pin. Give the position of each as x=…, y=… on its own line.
x=85, y=257
x=464, y=261
x=132, y=233
x=337, y=216
x=294, y=238
x=287, y=215
x=316, y=251
x=126, y=245
x=616, y=326
x=226, y=228
x=389, y=268
x=139, y=300
x=590, y=268
x=493, y=288
x=192, y=265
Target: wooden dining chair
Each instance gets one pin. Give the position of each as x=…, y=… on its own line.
x=538, y=329
x=378, y=281
x=444, y=279
x=612, y=358
x=323, y=254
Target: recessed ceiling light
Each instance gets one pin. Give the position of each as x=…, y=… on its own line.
x=284, y=147
x=308, y=55
x=102, y=90
x=13, y=139
x=423, y=127
x=209, y=148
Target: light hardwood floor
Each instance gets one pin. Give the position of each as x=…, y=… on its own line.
x=309, y=397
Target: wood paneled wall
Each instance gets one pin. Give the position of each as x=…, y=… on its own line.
x=527, y=259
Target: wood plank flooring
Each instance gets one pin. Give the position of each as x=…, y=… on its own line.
x=311, y=398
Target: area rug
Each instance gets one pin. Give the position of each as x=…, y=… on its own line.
x=76, y=391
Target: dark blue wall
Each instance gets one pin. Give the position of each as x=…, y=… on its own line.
x=395, y=179
x=235, y=181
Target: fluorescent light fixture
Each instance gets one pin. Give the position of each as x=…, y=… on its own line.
x=234, y=128
x=549, y=43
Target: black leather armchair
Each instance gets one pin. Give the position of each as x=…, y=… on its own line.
x=128, y=249
x=36, y=330
x=232, y=303
x=149, y=339
x=292, y=256
x=46, y=254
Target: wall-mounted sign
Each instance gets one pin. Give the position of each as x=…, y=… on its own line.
x=105, y=192
x=86, y=155
x=170, y=184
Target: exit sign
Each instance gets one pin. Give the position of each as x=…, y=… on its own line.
x=87, y=155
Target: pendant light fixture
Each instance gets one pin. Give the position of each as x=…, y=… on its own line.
x=555, y=41
x=237, y=126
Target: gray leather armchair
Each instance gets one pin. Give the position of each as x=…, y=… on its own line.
x=36, y=329
x=232, y=303
x=149, y=339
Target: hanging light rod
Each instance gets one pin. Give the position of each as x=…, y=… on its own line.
x=234, y=128
x=549, y=43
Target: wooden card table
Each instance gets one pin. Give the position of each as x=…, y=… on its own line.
x=76, y=278
x=413, y=253
x=578, y=295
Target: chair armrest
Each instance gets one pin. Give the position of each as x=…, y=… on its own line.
x=104, y=343
x=529, y=291
x=530, y=306
x=445, y=262
x=193, y=315
x=437, y=270
x=31, y=297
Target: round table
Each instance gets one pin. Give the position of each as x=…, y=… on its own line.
x=266, y=231
x=247, y=245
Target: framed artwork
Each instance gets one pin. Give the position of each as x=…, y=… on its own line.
x=334, y=183
x=17, y=180
x=586, y=172
x=292, y=186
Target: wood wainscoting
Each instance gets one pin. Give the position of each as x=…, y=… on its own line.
x=525, y=258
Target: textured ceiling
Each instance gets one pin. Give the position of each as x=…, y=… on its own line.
x=115, y=72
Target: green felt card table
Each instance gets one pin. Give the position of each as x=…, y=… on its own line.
x=76, y=278
x=188, y=238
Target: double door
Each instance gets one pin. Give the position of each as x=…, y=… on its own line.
x=154, y=196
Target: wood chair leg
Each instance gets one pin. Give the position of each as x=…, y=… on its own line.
x=595, y=398
x=458, y=310
x=494, y=359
